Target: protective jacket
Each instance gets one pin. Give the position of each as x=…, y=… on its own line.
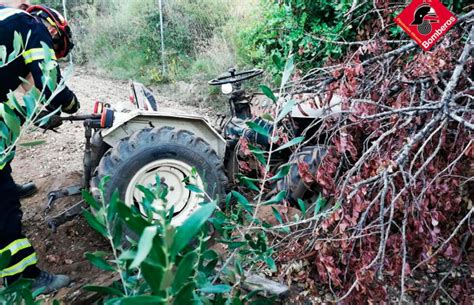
x=22, y=256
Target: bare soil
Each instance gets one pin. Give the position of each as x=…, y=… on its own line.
x=57, y=164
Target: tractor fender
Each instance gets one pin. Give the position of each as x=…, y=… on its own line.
x=127, y=123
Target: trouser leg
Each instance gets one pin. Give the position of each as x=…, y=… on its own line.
x=23, y=257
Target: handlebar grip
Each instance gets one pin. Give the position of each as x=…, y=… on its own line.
x=107, y=118
x=98, y=107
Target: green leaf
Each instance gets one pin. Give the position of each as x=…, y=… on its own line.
x=271, y=264
x=51, y=65
x=94, y=223
x=256, y=150
x=30, y=104
x=5, y=259
x=134, y=221
x=290, y=66
x=48, y=56
x=157, y=254
x=97, y=260
x=3, y=55
x=90, y=200
x=144, y=245
x=277, y=199
x=11, y=120
x=243, y=201
x=287, y=108
x=185, y=269
x=194, y=188
x=258, y=153
x=238, y=267
x=235, y=244
x=268, y=93
x=117, y=234
x=268, y=117
x=4, y=133
x=149, y=195
x=33, y=143
x=319, y=204
x=189, y=229
x=153, y=276
x=185, y=295
x=137, y=300
x=17, y=42
x=103, y=181
x=248, y=182
x=302, y=206
x=216, y=289
x=112, y=208
x=282, y=172
x=103, y=290
x=277, y=61
x=277, y=215
x=291, y=143
x=258, y=129
x=16, y=105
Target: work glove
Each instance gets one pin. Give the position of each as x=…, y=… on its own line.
x=53, y=122
x=72, y=107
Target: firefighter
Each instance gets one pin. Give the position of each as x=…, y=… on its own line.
x=42, y=25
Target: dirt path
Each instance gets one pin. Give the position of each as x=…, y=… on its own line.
x=56, y=164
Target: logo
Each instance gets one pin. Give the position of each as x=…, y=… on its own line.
x=426, y=21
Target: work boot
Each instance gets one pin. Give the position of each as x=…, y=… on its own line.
x=50, y=282
x=26, y=190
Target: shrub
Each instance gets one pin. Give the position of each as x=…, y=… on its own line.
x=161, y=264
x=314, y=30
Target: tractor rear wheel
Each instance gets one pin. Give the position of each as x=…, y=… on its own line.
x=293, y=183
x=172, y=155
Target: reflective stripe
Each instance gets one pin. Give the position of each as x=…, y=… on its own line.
x=19, y=267
x=72, y=104
x=37, y=54
x=16, y=246
x=8, y=12
x=51, y=21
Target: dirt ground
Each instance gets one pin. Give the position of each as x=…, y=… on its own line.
x=57, y=164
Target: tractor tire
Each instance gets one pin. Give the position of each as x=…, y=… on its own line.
x=293, y=184
x=172, y=155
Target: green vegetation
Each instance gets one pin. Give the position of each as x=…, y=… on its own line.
x=315, y=31
x=203, y=38
x=123, y=37
x=161, y=264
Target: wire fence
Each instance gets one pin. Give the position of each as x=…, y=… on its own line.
x=156, y=40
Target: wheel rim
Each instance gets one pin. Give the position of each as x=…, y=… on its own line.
x=171, y=172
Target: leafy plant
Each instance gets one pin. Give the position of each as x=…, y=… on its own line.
x=158, y=263
x=316, y=31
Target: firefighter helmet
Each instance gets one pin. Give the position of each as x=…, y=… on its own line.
x=63, y=43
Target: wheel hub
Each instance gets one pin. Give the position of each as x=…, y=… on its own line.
x=172, y=173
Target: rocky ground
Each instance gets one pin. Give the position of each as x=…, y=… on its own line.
x=57, y=164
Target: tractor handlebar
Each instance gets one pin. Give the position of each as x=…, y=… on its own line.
x=104, y=120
